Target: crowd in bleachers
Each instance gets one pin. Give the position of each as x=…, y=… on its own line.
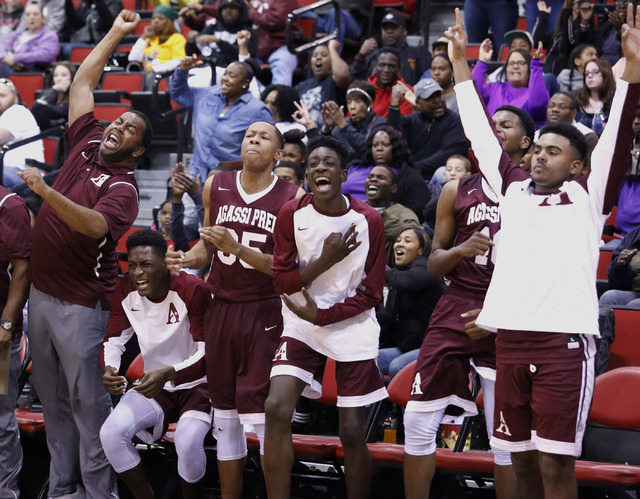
x=390, y=103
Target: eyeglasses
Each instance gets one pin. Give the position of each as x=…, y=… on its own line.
x=8, y=83
x=595, y=72
x=517, y=63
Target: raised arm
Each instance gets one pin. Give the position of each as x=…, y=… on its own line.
x=88, y=76
x=339, y=69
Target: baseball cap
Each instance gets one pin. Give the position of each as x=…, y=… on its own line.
x=426, y=87
x=509, y=36
x=441, y=40
x=393, y=18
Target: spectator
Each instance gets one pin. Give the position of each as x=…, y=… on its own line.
x=354, y=130
x=439, y=46
x=457, y=167
x=162, y=223
x=380, y=185
x=413, y=294
x=386, y=146
x=549, y=20
x=88, y=23
x=595, y=96
x=185, y=222
x=442, y=74
x=221, y=114
x=624, y=273
x=572, y=78
x=12, y=11
x=270, y=17
x=520, y=84
x=218, y=41
x=330, y=79
x=608, y=33
x=291, y=172
x=73, y=271
x=413, y=60
x=15, y=249
x=387, y=74
x=628, y=215
x=16, y=123
x=295, y=149
x=52, y=108
x=499, y=15
x=433, y=132
x=280, y=100
x=54, y=13
x=161, y=47
x=33, y=47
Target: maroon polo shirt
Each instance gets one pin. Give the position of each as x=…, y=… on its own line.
x=64, y=263
x=15, y=240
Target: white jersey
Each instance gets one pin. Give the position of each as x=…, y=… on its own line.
x=169, y=333
x=545, y=273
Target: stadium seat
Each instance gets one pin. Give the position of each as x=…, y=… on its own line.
x=625, y=349
x=473, y=51
x=79, y=54
x=603, y=263
x=128, y=82
x=107, y=112
x=27, y=84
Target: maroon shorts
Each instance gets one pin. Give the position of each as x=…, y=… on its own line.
x=543, y=406
x=240, y=340
x=441, y=380
x=175, y=404
x=359, y=383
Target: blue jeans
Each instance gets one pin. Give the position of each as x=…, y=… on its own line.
x=500, y=15
x=531, y=8
x=615, y=297
x=392, y=360
x=10, y=176
x=283, y=64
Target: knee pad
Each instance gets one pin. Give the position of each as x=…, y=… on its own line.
x=232, y=443
x=189, y=442
x=259, y=429
x=501, y=457
x=420, y=431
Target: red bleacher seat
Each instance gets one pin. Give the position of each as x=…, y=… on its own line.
x=141, y=27
x=129, y=82
x=603, y=263
x=625, y=349
x=79, y=54
x=522, y=24
x=27, y=84
x=616, y=397
x=108, y=112
x=473, y=50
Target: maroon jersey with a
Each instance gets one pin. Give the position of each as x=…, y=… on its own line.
x=15, y=240
x=250, y=219
x=476, y=210
x=64, y=263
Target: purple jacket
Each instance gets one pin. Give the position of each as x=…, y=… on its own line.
x=43, y=48
x=533, y=99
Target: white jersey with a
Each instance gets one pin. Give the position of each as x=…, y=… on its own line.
x=169, y=332
x=346, y=328
x=545, y=273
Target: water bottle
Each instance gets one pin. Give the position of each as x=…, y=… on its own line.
x=390, y=426
x=598, y=122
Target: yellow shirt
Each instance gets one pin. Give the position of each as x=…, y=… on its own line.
x=172, y=49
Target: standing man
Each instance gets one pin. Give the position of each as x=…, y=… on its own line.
x=73, y=272
x=244, y=321
x=15, y=247
x=546, y=313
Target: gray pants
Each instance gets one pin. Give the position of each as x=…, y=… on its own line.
x=65, y=346
x=10, y=449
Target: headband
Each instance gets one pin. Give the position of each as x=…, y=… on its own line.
x=359, y=90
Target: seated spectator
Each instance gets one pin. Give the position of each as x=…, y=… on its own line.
x=380, y=185
x=608, y=33
x=162, y=223
x=215, y=30
x=30, y=48
x=520, y=83
x=289, y=171
x=87, y=24
x=624, y=273
x=166, y=314
x=456, y=167
x=16, y=123
x=433, y=132
x=187, y=210
x=387, y=74
x=386, y=146
x=52, y=108
x=330, y=79
x=414, y=61
x=221, y=114
x=628, y=215
x=442, y=74
x=12, y=11
x=572, y=78
x=563, y=108
x=413, y=294
x=295, y=149
x=595, y=96
x=354, y=130
x=160, y=48
x=270, y=17
x=280, y=100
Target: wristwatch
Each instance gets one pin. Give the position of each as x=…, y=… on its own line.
x=8, y=325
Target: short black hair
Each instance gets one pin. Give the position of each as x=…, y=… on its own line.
x=278, y=132
x=147, y=138
x=330, y=143
x=576, y=137
x=525, y=120
x=390, y=50
x=284, y=101
x=297, y=169
x=424, y=243
x=571, y=97
x=148, y=237
x=392, y=173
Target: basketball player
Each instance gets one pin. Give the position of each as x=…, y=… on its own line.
x=545, y=310
x=244, y=321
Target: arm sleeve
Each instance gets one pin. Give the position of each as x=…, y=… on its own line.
x=413, y=279
x=479, y=72
x=119, y=330
x=136, y=54
x=119, y=207
x=46, y=51
x=286, y=272
x=369, y=293
x=359, y=67
x=453, y=142
x=180, y=90
x=538, y=94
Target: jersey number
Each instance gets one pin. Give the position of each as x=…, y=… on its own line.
x=247, y=239
x=490, y=253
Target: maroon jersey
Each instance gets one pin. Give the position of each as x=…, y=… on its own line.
x=250, y=219
x=476, y=210
x=15, y=240
x=64, y=263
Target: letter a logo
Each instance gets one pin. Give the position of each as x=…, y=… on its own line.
x=503, y=428
x=415, y=387
x=281, y=354
x=173, y=318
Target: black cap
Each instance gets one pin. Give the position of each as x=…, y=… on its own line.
x=393, y=18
